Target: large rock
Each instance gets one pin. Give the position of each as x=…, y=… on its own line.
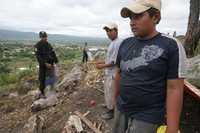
x=26, y=86
x=4, y=94
x=70, y=79
x=50, y=100
x=35, y=124
x=90, y=57
x=193, y=74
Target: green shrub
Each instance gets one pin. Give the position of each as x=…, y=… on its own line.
x=4, y=68
x=24, y=54
x=8, y=79
x=69, y=54
x=24, y=73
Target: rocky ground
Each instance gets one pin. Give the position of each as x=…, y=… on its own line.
x=73, y=94
x=79, y=89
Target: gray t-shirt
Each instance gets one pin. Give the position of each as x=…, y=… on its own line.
x=145, y=67
x=111, y=56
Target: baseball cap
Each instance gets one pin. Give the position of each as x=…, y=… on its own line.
x=139, y=6
x=110, y=26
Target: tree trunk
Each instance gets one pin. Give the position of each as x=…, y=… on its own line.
x=193, y=30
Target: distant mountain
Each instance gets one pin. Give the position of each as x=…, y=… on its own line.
x=55, y=38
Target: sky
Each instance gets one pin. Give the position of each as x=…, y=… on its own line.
x=84, y=17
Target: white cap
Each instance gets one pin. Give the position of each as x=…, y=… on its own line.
x=110, y=26
x=140, y=6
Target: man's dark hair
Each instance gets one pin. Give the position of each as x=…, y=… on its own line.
x=115, y=29
x=42, y=34
x=152, y=12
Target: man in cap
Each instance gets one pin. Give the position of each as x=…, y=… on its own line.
x=109, y=65
x=46, y=58
x=150, y=74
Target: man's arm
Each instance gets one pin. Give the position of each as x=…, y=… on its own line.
x=103, y=65
x=112, y=58
x=55, y=57
x=174, y=104
x=53, y=54
x=117, y=81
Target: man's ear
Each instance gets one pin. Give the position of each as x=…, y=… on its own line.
x=156, y=17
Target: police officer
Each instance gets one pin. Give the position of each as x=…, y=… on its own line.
x=46, y=58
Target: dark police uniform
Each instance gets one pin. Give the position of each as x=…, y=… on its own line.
x=44, y=54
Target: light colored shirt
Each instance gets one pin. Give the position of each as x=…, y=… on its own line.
x=111, y=56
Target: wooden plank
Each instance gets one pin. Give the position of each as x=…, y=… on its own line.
x=67, y=129
x=95, y=124
x=99, y=126
x=87, y=122
x=100, y=90
x=86, y=113
x=192, y=90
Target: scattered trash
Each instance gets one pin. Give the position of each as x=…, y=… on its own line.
x=35, y=124
x=92, y=103
x=88, y=122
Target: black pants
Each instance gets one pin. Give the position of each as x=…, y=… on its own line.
x=42, y=75
x=85, y=57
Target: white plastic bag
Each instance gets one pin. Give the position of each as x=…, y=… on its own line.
x=56, y=71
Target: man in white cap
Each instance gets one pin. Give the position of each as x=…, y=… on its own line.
x=150, y=74
x=109, y=65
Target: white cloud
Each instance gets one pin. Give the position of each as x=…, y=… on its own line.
x=83, y=18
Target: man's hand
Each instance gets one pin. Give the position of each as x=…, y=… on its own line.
x=99, y=66
x=102, y=65
x=55, y=65
x=49, y=66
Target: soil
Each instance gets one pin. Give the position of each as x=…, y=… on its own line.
x=15, y=112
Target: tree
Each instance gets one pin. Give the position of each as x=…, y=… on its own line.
x=193, y=29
